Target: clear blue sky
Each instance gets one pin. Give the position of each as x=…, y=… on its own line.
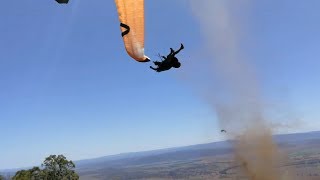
x=68, y=87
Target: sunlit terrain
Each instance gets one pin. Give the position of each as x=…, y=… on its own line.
x=206, y=161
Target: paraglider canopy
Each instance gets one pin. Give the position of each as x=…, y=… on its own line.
x=62, y=1
x=131, y=16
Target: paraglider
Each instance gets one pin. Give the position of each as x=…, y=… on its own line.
x=222, y=130
x=131, y=16
x=169, y=61
x=62, y=1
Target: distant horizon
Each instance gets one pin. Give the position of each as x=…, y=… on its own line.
x=8, y=170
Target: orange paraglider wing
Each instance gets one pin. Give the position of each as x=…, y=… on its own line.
x=131, y=16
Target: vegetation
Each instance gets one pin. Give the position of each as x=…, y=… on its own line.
x=1, y=177
x=53, y=168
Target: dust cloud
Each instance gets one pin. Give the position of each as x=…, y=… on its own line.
x=231, y=86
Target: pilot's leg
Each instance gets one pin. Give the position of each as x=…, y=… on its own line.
x=182, y=47
x=171, y=51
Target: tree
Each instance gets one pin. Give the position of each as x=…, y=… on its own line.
x=53, y=168
x=58, y=167
x=32, y=174
x=1, y=177
x=22, y=175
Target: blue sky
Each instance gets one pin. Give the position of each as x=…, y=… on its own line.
x=68, y=86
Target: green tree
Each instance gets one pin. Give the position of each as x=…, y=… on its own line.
x=22, y=175
x=58, y=167
x=1, y=177
x=32, y=174
x=53, y=168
